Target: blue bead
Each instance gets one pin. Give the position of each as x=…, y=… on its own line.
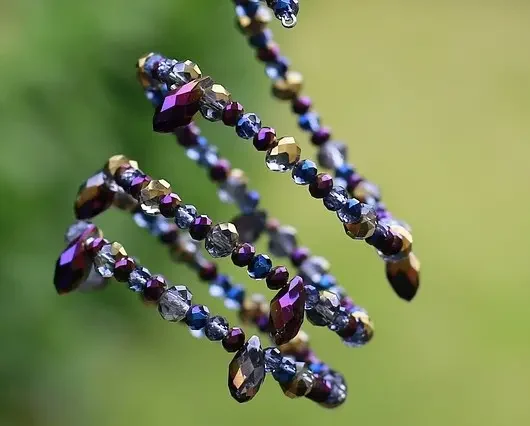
x=248, y=202
x=336, y=199
x=305, y=172
x=260, y=267
x=277, y=68
x=312, y=296
x=251, y=8
x=197, y=316
x=286, y=6
x=261, y=39
x=150, y=63
x=318, y=367
x=222, y=281
x=236, y=293
x=309, y=121
x=351, y=212
x=344, y=171
x=327, y=281
x=155, y=96
x=203, y=153
x=286, y=371
x=248, y=126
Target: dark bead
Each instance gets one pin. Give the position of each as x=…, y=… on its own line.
x=310, y=121
x=286, y=371
x=154, y=288
x=259, y=267
x=232, y=113
x=321, y=186
x=321, y=136
x=250, y=226
x=234, y=340
x=123, y=268
x=188, y=136
x=216, y=328
x=265, y=139
x=236, y=293
x=277, y=68
x=404, y=276
x=197, y=317
x=301, y=105
x=169, y=234
x=269, y=53
x=168, y=205
x=351, y=212
x=137, y=184
x=94, y=245
x=219, y=172
x=277, y=278
x=378, y=238
x=312, y=296
x=125, y=175
x=263, y=323
x=349, y=328
x=260, y=40
x=321, y=390
x=305, y=172
x=93, y=197
x=287, y=311
x=299, y=255
x=200, y=227
x=248, y=126
x=246, y=372
x=344, y=171
x=243, y=254
x=72, y=268
x=208, y=271
x=353, y=180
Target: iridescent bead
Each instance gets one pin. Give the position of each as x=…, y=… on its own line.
x=232, y=113
x=76, y=230
x=284, y=156
x=353, y=180
x=248, y=202
x=313, y=269
x=404, y=276
x=106, y=258
x=141, y=73
x=197, y=316
x=288, y=87
x=261, y=39
x=305, y=172
x=327, y=281
x=93, y=197
x=336, y=199
x=364, y=332
x=152, y=193
x=221, y=240
x=351, y=212
x=220, y=170
x=115, y=162
x=188, y=135
x=298, y=347
x=301, y=105
x=285, y=371
x=255, y=24
x=332, y=155
x=175, y=303
x=325, y=310
x=214, y=100
x=287, y=311
x=339, y=390
x=400, y=246
x=250, y=226
x=301, y=384
x=185, y=216
x=154, y=288
x=273, y=359
x=367, y=192
x=321, y=136
x=283, y=241
x=254, y=307
x=269, y=53
x=216, y=328
x=259, y=267
x=309, y=121
x=162, y=70
x=123, y=268
x=184, y=72
x=321, y=186
x=246, y=372
x=200, y=227
x=299, y=255
x=137, y=184
x=277, y=67
x=168, y=205
x=138, y=279
x=277, y=278
x=248, y=126
x=234, y=340
x=234, y=187
x=365, y=226
x=243, y=254
x=265, y=139
x=312, y=296
x=344, y=171
x=125, y=176
x=285, y=7
x=321, y=390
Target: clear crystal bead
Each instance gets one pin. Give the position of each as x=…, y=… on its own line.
x=216, y=328
x=75, y=231
x=175, y=303
x=336, y=199
x=185, y=216
x=273, y=359
x=312, y=296
x=221, y=240
x=104, y=261
x=325, y=310
x=283, y=241
x=138, y=279
x=313, y=268
x=284, y=156
x=332, y=155
x=214, y=99
x=233, y=188
x=184, y=72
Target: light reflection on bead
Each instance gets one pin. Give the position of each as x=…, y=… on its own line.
x=284, y=156
x=288, y=87
x=365, y=227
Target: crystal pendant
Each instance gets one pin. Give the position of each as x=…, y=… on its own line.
x=404, y=276
x=287, y=311
x=93, y=197
x=106, y=258
x=246, y=372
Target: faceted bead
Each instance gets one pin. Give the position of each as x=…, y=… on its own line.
x=117, y=161
x=200, y=227
x=259, y=267
x=344, y=171
x=301, y=384
x=232, y=113
x=313, y=269
x=214, y=100
x=93, y=282
x=203, y=153
x=287, y=311
x=208, y=271
x=184, y=72
x=345, y=324
x=404, y=276
x=234, y=187
x=305, y=172
x=197, y=317
x=282, y=7
x=234, y=340
x=299, y=255
x=248, y=202
x=367, y=192
x=301, y=105
x=250, y=226
x=216, y=328
x=336, y=199
x=286, y=371
x=248, y=126
x=277, y=278
x=161, y=72
x=321, y=390
x=93, y=197
x=283, y=242
x=284, y=156
x=297, y=347
x=154, y=288
x=123, y=268
x=365, y=227
x=72, y=267
x=151, y=195
x=125, y=176
x=277, y=66
x=255, y=24
x=269, y=53
x=312, y=296
x=243, y=254
x=339, y=390
x=265, y=139
x=76, y=230
x=179, y=107
x=364, y=332
x=137, y=184
x=273, y=359
x=321, y=136
x=351, y=212
x=288, y=87
x=188, y=136
x=322, y=186
x=325, y=310
x=185, y=216
x=220, y=170
x=235, y=297
x=106, y=258
x=332, y=155
x=253, y=307
x=310, y=122
x=246, y=372
x=138, y=279
x=398, y=245
x=141, y=74
x=261, y=39
x=221, y=240
x=168, y=205
x=175, y=303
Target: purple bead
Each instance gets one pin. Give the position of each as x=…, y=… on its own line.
x=232, y=113
x=287, y=311
x=277, y=278
x=299, y=255
x=321, y=136
x=353, y=180
x=137, y=184
x=188, y=136
x=71, y=268
x=250, y=226
x=243, y=254
x=220, y=170
x=200, y=227
x=378, y=238
x=321, y=390
x=270, y=53
x=301, y=105
x=321, y=186
x=168, y=205
x=263, y=323
x=265, y=139
x=208, y=271
x=234, y=340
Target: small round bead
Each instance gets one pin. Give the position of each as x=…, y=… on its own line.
x=261, y=39
x=175, y=303
x=185, y=216
x=219, y=172
x=378, y=237
x=299, y=255
x=197, y=317
x=259, y=267
x=208, y=271
x=301, y=105
x=273, y=359
x=353, y=180
x=168, y=205
x=154, y=288
x=310, y=121
x=277, y=68
x=305, y=172
x=221, y=240
x=286, y=370
x=269, y=53
x=188, y=136
x=312, y=296
x=123, y=268
x=277, y=278
x=365, y=226
x=232, y=113
x=200, y=227
x=234, y=340
x=336, y=199
x=94, y=245
x=248, y=126
x=284, y=156
x=288, y=87
x=321, y=136
x=265, y=139
x=137, y=184
x=321, y=186
x=344, y=171
x=169, y=234
x=351, y=212
x=216, y=328
x=243, y=254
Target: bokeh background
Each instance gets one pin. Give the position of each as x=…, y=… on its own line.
x=433, y=99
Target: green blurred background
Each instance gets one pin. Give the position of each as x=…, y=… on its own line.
x=433, y=99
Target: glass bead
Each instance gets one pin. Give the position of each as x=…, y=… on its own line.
x=123, y=268
x=289, y=86
x=200, y=227
x=161, y=72
x=298, y=347
x=246, y=372
x=197, y=317
x=310, y=121
x=152, y=193
x=367, y=192
x=184, y=72
x=259, y=267
x=339, y=390
x=287, y=311
x=138, y=279
x=185, y=216
x=214, y=100
x=106, y=258
x=236, y=294
x=277, y=278
x=273, y=359
x=336, y=199
x=364, y=332
x=325, y=310
x=312, y=296
x=168, y=205
x=351, y=212
x=255, y=24
x=301, y=105
x=94, y=281
x=93, y=197
x=76, y=230
x=178, y=108
x=154, y=288
x=261, y=39
x=248, y=126
x=305, y=172
x=248, y=201
x=265, y=139
x=269, y=53
x=232, y=113
x=216, y=328
x=243, y=254
x=204, y=154
x=365, y=227
x=344, y=171
x=277, y=68
x=234, y=340
x=327, y=281
x=283, y=241
x=313, y=269
x=285, y=371
x=332, y=155
x=301, y=384
x=321, y=186
x=281, y=7
x=284, y=156
x=321, y=136
x=220, y=170
x=299, y=255
x=221, y=240
x=404, y=276
x=341, y=321
x=175, y=303
x=125, y=177
x=234, y=187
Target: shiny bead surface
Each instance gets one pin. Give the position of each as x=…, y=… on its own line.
x=321, y=136
x=283, y=241
x=336, y=199
x=332, y=155
x=185, y=216
x=321, y=390
x=404, y=276
x=287, y=311
x=138, y=279
x=220, y=170
x=216, y=328
x=254, y=307
x=246, y=372
x=297, y=347
x=286, y=371
x=154, y=288
x=137, y=184
x=197, y=316
x=151, y=195
x=313, y=269
x=214, y=99
x=117, y=161
x=305, y=172
x=243, y=254
x=93, y=197
x=367, y=192
x=248, y=126
x=234, y=340
x=312, y=296
x=301, y=384
x=200, y=227
x=232, y=113
x=325, y=310
x=284, y=156
x=75, y=230
x=184, y=72
x=265, y=139
x=364, y=332
x=168, y=205
x=255, y=24
x=259, y=267
x=250, y=226
x=365, y=226
x=175, y=303
x=273, y=359
x=123, y=268
x=106, y=258
x=321, y=186
x=301, y=105
x=141, y=73
x=288, y=87
x=351, y=212
x=299, y=255
x=310, y=121
x=221, y=240
x=277, y=278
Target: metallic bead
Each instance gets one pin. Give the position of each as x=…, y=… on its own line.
x=404, y=238
x=168, y=205
x=298, y=346
x=221, y=240
x=321, y=390
x=313, y=269
x=312, y=296
x=321, y=136
x=310, y=122
x=246, y=372
x=255, y=24
x=141, y=73
x=214, y=99
x=301, y=384
x=404, y=276
x=123, y=268
x=283, y=241
x=243, y=254
x=200, y=227
x=299, y=255
x=301, y=105
x=197, y=317
x=305, y=172
x=154, y=288
x=232, y=113
x=138, y=279
x=286, y=371
x=139, y=182
x=76, y=230
x=184, y=72
x=339, y=390
x=175, y=303
x=216, y=328
x=273, y=359
x=152, y=193
x=277, y=278
x=185, y=216
x=234, y=340
x=259, y=267
x=332, y=155
x=365, y=227
x=248, y=126
x=93, y=197
x=162, y=70
x=220, y=170
x=124, y=201
x=106, y=258
x=287, y=311
x=336, y=199
x=351, y=212
x=253, y=307
x=365, y=329
x=321, y=186
x=367, y=192
x=265, y=139
x=325, y=310
x=117, y=161
x=289, y=87
x=284, y=156
x=250, y=226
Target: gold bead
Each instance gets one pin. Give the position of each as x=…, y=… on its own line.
x=406, y=236
x=116, y=161
x=289, y=87
x=365, y=227
x=239, y=176
x=256, y=24
x=284, y=156
x=142, y=76
x=367, y=192
x=368, y=326
x=117, y=250
x=404, y=276
x=301, y=384
x=214, y=99
x=253, y=308
x=151, y=194
x=297, y=346
x=184, y=72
